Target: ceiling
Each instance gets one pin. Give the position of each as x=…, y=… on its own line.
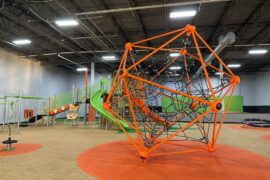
x=101, y=33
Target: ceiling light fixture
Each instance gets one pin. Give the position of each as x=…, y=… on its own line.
x=219, y=73
x=21, y=42
x=234, y=65
x=175, y=67
x=174, y=54
x=182, y=14
x=81, y=69
x=109, y=58
x=258, y=51
x=66, y=22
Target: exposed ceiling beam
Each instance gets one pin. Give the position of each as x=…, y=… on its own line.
x=224, y=19
x=251, y=21
x=81, y=45
x=264, y=32
x=122, y=50
x=195, y=19
x=90, y=32
x=7, y=36
x=17, y=31
x=115, y=21
x=258, y=12
x=94, y=25
x=26, y=6
x=166, y=24
x=139, y=20
x=87, y=29
x=83, y=25
x=107, y=10
x=234, y=55
x=37, y=31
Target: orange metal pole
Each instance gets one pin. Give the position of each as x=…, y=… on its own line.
x=132, y=59
x=132, y=113
x=171, y=90
x=125, y=58
x=138, y=102
x=161, y=130
x=159, y=36
x=224, y=115
x=162, y=49
x=156, y=50
x=214, y=128
x=213, y=52
x=165, y=67
x=203, y=66
x=116, y=80
x=196, y=58
x=187, y=75
x=180, y=130
x=125, y=132
x=129, y=124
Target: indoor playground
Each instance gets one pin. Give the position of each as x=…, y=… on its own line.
x=118, y=90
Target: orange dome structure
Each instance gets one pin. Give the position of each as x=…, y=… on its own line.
x=195, y=109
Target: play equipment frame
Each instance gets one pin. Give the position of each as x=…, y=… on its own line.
x=18, y=103
x=123, y=73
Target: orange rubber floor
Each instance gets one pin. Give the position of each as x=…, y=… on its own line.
x=266, y=137
x=19, y=149
x=240, y=126
x=119, y=160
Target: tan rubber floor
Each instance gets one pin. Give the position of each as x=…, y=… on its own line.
x=61, y=146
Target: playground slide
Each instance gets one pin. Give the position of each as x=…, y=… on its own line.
x=95, y=102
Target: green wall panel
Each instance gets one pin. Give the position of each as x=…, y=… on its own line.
x=167, y=103
x=236, y=104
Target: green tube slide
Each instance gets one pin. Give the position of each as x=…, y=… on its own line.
x=97, y=105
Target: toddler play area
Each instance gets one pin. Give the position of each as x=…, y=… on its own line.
x=123, y=90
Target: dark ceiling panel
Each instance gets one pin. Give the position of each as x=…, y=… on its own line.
x=249, y=19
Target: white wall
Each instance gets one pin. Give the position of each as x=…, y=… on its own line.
x=254, y=87
x=262, y=88
x=29, y=77
x=246, y=89
x=78, y=79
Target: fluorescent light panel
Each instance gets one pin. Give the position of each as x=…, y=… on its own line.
x=66, y=22
x=175, y=68
x=258, y=51
x=234, y=65
x=174, y=54
x=21, y=41
x=81, y=69
x=109, y=57
x=218, y=73
x=182, y=14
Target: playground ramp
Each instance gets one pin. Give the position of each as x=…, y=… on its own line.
x=97, y=105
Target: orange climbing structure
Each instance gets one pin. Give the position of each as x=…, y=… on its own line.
x=195, y=108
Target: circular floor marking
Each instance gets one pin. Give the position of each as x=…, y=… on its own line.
x=240, y=126
x=19, y=149
x=119, y=160
x=266, y=137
